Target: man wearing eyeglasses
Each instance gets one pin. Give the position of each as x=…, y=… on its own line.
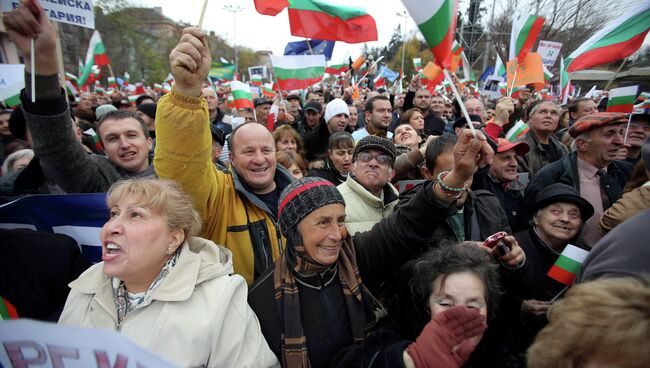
x=369, y=196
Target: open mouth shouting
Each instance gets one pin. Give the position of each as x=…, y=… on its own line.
x=111, y=251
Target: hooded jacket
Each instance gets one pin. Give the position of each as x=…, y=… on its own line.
x=197, y=316
x=232, y=215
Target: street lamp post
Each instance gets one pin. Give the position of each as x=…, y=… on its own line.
x=405, y=16
x=234, y=9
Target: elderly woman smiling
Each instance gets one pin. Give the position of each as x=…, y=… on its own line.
x=163, y=288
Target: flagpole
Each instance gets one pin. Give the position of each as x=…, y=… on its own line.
x=460, y=102
x=559, y=294
x=615, y=74
x=512, y=86
x=629, y=119
x=369, y=69
x=311, y=51
x=32, y=58
x=205, y=5
x=110, y=70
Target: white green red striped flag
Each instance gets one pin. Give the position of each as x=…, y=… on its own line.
x=298, y=71
x=112, y=83
x=12, y=80
x=437, y=22
x=267, y=90
x=568, y=264
x=617, y=40
x=417, y=62
x=525, y=29
x=622, y=99
x=241, y=95
x=455, y=48
x=71, y=88
x=336, y=69
x=643, y=96
x=565, y=82
x=98, y=144
x=547, y=73
x=230, y=102
x=256, y=80
x=499, y=67
x=96, y=55
x=517, y=132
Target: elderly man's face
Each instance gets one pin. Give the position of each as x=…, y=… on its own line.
x=504, y=166
x=544, y=118
x=638, y=133
x=253, y=157
x=603, y=145
x=210, y=96
x=475, y=107
x=372, y=169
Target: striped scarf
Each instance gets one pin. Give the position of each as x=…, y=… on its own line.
x=296, y=260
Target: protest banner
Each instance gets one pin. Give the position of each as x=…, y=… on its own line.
x=492, y=86
x=41, y=344
x=80, y=216
x=12, y=80
x=258, y=70
x=530, y=71
x=77, y=12
x=549, y=51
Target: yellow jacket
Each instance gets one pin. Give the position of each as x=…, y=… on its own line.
x=232, y=215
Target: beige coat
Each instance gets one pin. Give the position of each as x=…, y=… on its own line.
x=197, y=316
x=364, y=209
x=627, y=206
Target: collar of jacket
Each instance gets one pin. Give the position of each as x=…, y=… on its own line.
x=282, y=179
x=534, y=142
x=390, y=192
x=202, y=260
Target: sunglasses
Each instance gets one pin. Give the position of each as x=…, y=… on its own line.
x=382, y=159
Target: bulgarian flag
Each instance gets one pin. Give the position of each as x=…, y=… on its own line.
x=525, y=29
x=125, y=81
x=617, y=40
x=71, y=88
x=468, y=72
x=499, y=67
x=643, y=96
x=323, y=20
x=230, y=102
x=568, y=264
x=622, y=99
x=96, y=55
x=417, y=62
x=267, y=91
x=270, y=7
x=298, y=71
x=336, y=69
x=256, y=80
x=565, y=82
x=437, y=22
x=7, y=310
x=455, y=48
x=98, y=144
x=547, y=74
x=112, y=83
x=241, y=95
x=517, y=132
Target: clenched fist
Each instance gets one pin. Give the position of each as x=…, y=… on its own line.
x=190, y=62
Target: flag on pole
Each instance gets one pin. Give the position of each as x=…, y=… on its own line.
x=324, y=20
x=96, y=55
x=467, y=68
x=568, y=264
x=98, y=144
x=358, y=63
x=112, y=83
x=310, y=47
x=622, y=99
x=547, y=74
x=270, y=7
x=455, y=48
x=336, y=69
x=643, y=96
x=298, y=72
x=617, y=40
x=417, y=62
x=565, y=82
x=256, y=80
x=241, y=95
x=517, y=132
x=267, y=90
x=437, y=22
x=225, y=72
x=499, y=67
x=525, y=29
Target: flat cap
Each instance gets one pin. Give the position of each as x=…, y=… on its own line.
x=594, y=121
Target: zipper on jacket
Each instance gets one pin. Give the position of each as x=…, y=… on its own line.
x=263, y=238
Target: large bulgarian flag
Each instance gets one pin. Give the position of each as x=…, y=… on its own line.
x=96, y=55
x=437, y=22
x=622, y=99
x=568, y=264
x=325, y=20
x=617, y=40
x=241, y=94
x=298, y=71
x=525, y=29
x=336, y=69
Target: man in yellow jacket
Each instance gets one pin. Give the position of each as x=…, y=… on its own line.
x=238, y=204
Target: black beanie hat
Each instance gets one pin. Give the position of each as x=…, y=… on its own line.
x=302, y=197
x=148, y=109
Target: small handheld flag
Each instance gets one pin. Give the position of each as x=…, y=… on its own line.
x=568, y=264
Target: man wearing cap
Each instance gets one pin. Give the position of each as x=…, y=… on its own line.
x=592, y=168
x=500, y=179
x=147, y=112
x=378, y=116
x=295, y=108
x=262, y=109
x=368, y=193
x=336, y=120
x=239, y=204
x=311, y=118
x=124, y=135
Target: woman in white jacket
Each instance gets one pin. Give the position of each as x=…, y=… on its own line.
x=167, y=291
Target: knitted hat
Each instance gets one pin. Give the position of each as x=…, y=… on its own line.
x=102, y=110
x=335, y=107
x=148, y=109
x=594, y=121
x=302, y=197
x=374, y=142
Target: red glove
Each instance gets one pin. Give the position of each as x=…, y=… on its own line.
x=436, y=345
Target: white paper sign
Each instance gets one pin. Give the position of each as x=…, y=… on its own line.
x=549, y=51
x=12, y=80
x=30, y=343
x=491, y=87
x=77, y=12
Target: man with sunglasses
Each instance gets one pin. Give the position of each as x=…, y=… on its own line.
x=369, y=196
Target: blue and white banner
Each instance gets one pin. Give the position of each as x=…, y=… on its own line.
x=80, y=216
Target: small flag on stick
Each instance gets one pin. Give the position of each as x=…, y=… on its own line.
x=568, y=264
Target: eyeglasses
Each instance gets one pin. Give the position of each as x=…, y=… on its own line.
x=382, y=159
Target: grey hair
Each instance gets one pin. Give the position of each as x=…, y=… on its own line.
x=532, y=111
x=9, y=162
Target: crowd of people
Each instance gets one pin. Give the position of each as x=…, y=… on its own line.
x=339, y=227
